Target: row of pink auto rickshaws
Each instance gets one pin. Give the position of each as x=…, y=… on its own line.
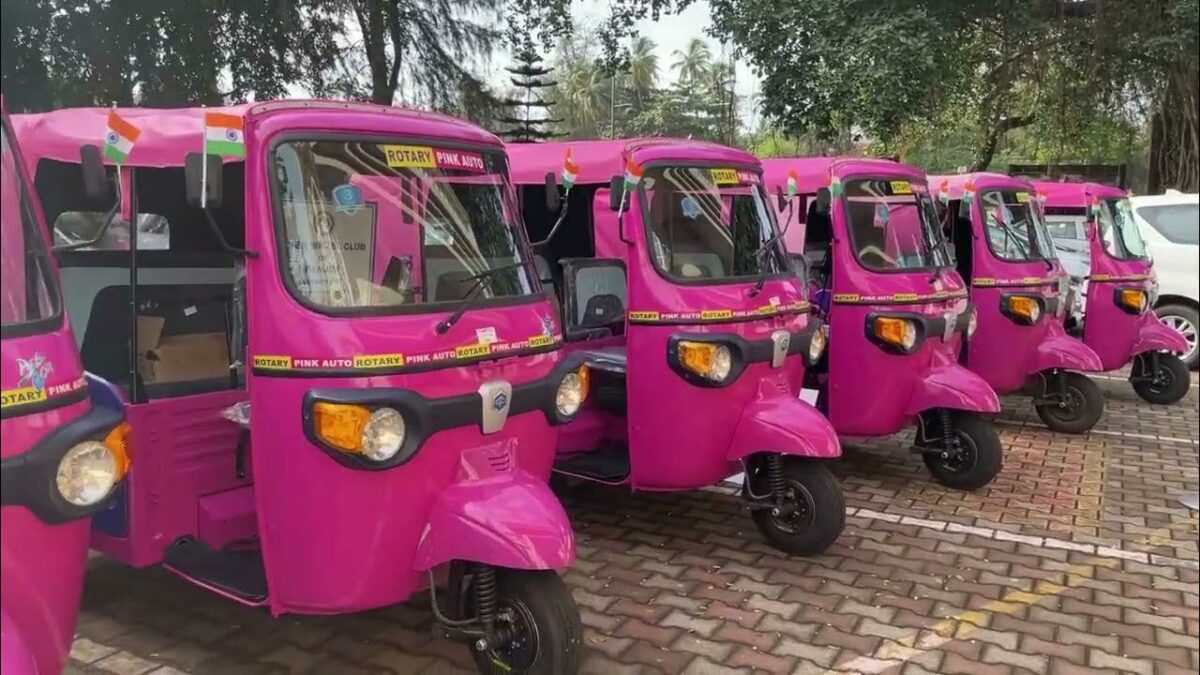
x=339, y=367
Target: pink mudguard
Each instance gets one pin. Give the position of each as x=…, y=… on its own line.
x=1059, y=350
x=784, y=424
x=949, y=385
x=1153, y=336
x=15, y=656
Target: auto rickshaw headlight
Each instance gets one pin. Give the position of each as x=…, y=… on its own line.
x=1132, y=299
x=972, y=323
x=340, y=425
x=572, y=392
x=1024, y=307
x=87, y=473
x=383, y=435
x=816, y=346
x=709, y=360
x=895, y=331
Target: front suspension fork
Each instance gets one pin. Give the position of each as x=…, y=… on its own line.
x=775, y=498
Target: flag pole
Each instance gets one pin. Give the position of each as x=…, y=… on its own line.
x=119, y=166
x=204, y=160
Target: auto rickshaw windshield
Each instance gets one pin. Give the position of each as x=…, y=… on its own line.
x=708, y=224
x=28, y=293
x=893, y=225
x=387, y=226
x=1014, y=225
x=1119, y=231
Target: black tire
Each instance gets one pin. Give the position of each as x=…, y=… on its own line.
x=547, y=614
x=1082, y=410
x=980, y=457
x=1180, y=317
x=1166, y=386
x=820, y=513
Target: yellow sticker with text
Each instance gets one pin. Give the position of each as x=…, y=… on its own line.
x=472, y=351
x=409, y=156
x=541, y=340
x=22, y=396
x=710, y=314
x=273, y=362
x=378, y=360
x=904, y=297
x=724, y=176
x=1022, y=197
x=643, y=316
x=901, y=187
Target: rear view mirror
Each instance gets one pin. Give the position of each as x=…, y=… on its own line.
x=552, y=201
x=200, y=169
x=95, y=178
x=824, y=199
x=616, y=193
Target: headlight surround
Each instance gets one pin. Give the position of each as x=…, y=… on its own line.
x=711, y=360
x=87, y=473
x=818, y=343
x=1024, y=309
x=572, y=392
x=1132, y=300
x=898, y=333
x=377, y=435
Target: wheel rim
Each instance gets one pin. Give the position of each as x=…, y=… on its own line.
x=1162, y=380
x=521, y=650
x=1184, y=328
x=964, y=458
x=801, y=507
x=1069, y=409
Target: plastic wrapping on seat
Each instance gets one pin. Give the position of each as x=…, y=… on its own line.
x=238, y=413
x=237, y=322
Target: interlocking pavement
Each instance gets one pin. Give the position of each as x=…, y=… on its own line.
x=1077, y=559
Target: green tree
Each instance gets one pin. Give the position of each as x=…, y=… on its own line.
x=643, y=68
x=694, y=62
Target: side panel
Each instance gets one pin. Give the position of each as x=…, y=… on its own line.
x=1002, y=351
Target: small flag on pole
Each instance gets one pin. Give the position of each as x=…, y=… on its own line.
x=570, y=172
x=223, y=135
x=119, y=138
x=793, y=183
x=836, y=189
x=633, y=176
x=944, y=192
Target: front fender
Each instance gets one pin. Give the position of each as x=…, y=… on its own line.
x=949, y=385
x=783, y=424
x=1061, y=351
x=507, y=520
x=16, y=658
x=1154, y=336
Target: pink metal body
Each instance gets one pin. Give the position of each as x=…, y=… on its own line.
x=681, y=436
x=1113, y=333
x=930, y=377
x=1007, y=354
x=333, y=539
x=41, y=565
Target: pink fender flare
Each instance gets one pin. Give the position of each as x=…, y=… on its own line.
x=785, y=425
x=949, y=385
x=15, y=655
x=1154, y=336
x=507, y=520
x=1059, y=350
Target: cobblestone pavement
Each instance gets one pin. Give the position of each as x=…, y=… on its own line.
x=1077, y=559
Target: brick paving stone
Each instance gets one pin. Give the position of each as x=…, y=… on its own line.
x=716, y=651
x=665, y=659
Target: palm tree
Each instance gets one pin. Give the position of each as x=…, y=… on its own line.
x=643, y=68
x=693, y=63
x=583, y=98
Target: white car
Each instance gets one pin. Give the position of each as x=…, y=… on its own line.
x=1170, y=224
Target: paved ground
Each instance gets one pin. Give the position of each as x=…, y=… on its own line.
x=1077, y=559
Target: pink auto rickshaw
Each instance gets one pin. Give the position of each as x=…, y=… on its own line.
x=1021, y=294
x=675, y=289
x=346, y=383
x=62, y=451
x=881, y=276
x=1118, y=321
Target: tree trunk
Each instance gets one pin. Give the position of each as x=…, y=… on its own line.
x=987, y=147
x=1175, y=135
x=370, y=15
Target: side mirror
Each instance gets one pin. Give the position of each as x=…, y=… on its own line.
x=616, y=193
x=95, y=178
x=781, y=198
x=552, y=200
x=200, y=170
x=824, y=200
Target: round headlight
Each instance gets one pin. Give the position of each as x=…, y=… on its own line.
x=972, y=324
x=722, y=364
x=382, y=435
x=816, y=346
x=1035, y=313
x=572, y=392
x=86, y=474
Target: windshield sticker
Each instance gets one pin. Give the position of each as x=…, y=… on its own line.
x=901, y=187
x=1022, y=197
x=724, y=176
x=426, y=157
x=347, y=198
x=882, y=215
x=690, y=207
x=747, y=177
x=486, y=335
x=330, y=250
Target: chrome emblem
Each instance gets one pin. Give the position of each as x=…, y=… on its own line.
x=780, y=341
x=495, y=397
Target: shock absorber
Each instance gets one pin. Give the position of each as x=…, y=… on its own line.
x=948, y=439
x=775, y=476
x=485, y=596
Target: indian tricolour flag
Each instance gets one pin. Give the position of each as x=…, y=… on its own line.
x=119, y=139
x=570, y=172
x=793, y=183
x=633, y=175
x=223, y=135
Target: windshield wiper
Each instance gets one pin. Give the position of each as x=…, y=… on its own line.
x=761, y=260
x=481, y=280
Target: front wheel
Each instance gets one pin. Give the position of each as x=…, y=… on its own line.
x=967, y=458
x=1072, y=404
x=809, y=513
x=1163, y=384
x=540, y=623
